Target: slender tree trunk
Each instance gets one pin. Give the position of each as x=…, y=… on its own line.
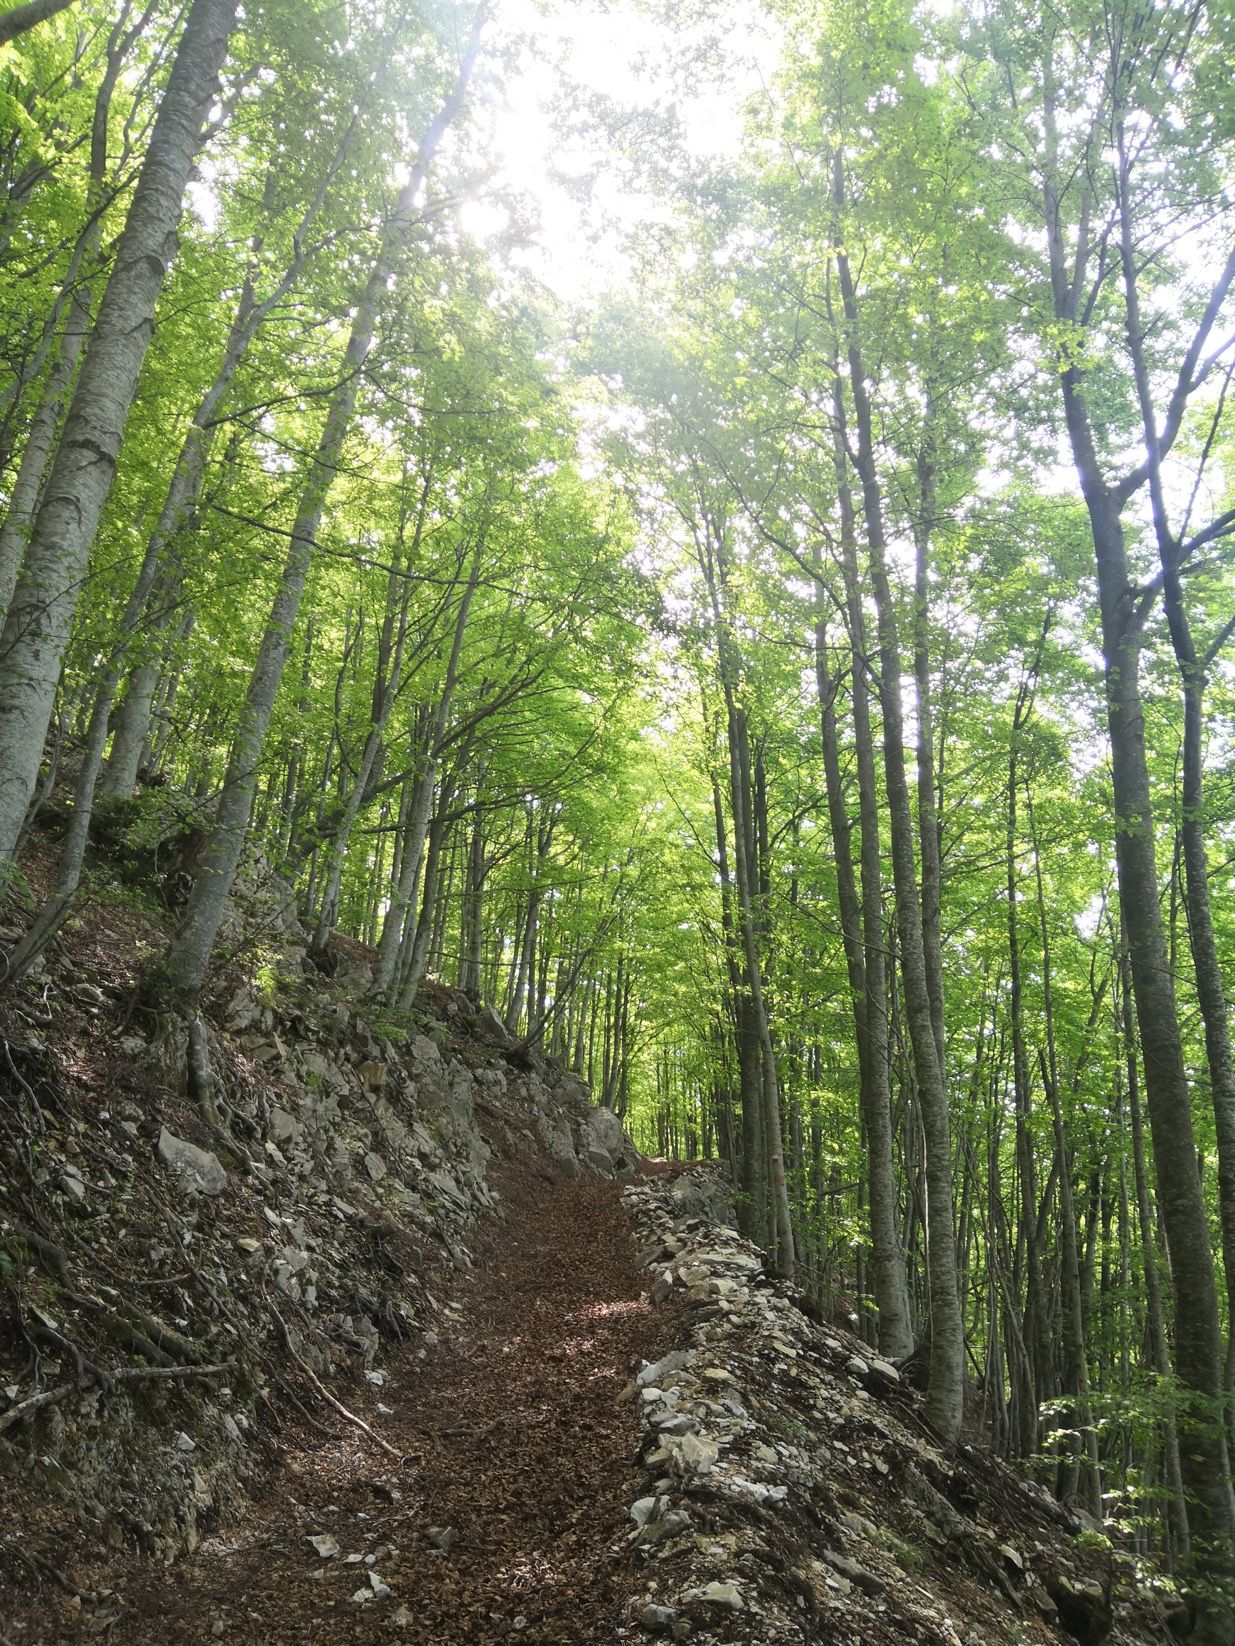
x=1155, y=1316
x=1204, y=1460
x=946, y=1385
x=895, y=1331
x=931, y=868
x=387, y=678
x=1198, y=1358
x=36, y=630
x=188, y=955
x=21, y=18
x=1192, y=668
x=1029, y=1393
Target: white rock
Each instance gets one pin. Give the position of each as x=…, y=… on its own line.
x=326, y=1544
x=695, y=1453
x=199, y=1171
x=724, y=1594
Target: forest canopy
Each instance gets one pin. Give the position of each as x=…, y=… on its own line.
x=707, y=529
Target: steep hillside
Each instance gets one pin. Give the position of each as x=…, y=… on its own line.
x=366, y=1342
x=181, y=1280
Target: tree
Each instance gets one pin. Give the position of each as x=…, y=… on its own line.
x=38, y=623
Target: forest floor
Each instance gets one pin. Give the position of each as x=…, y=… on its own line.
x=504, y=1514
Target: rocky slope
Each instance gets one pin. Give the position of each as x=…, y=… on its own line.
x=170, y=1294
x=345, y=1350
x=793, y=1493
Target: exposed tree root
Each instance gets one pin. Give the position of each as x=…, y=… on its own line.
x=325, y=1393
x=125, y=1374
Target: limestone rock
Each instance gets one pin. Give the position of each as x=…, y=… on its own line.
x=492, y=1028
x=601, y=1134
x=199, y=1171
x=658, y=1619
x=727, y=1595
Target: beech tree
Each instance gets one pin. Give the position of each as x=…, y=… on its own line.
x=38, y=622
x=791, y=689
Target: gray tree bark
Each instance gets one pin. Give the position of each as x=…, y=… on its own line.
x=946, y=1383
x=1193, y=668
x=1204, y=1461
x=188, y=954
x=37, y=626
x=869, y=995
x=21, y=18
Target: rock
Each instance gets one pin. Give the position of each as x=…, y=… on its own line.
x=326, y=1544
x=442, y=1538
x=886, y=1369
x=658, y=1619
x=674, y=1423
x=199, y=1171
x=491, y=1027
x=375, y=1166
x=185, y=1443
x=723, y=1594
x=600, y=1132
x=73, y=1184
x=1042, y=1600
x=674, y=1361
x=599, y=1161
x=695, y=1455
x=572, y=1088
x=665, y=1526
x=645, y=1509
x=662, y=1286
x=857, y=1574
x=555, y=1133
x=283, y=1126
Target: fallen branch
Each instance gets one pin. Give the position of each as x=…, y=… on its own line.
x=325, y=1393
x=126, y=1374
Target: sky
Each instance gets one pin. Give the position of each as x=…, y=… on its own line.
x=617, y=51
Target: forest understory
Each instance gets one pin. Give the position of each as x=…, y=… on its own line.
x=586, y=578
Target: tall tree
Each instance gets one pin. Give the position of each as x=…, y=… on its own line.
x=38, y=623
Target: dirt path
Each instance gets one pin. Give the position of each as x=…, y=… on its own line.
x=507, y=1517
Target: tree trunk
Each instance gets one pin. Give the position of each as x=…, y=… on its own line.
x=36, y=630
x=21, y=18
x=946, y=1386
x=895, y=1331
x=1198, y=1358
x=188, y=954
